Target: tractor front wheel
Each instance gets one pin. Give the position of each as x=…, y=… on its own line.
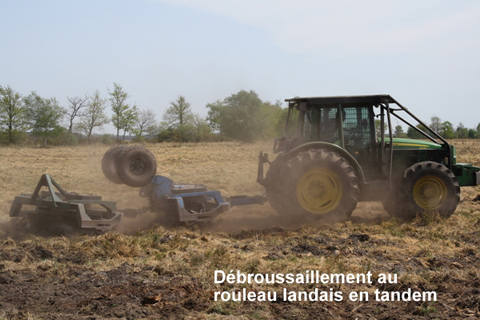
x=430, y=187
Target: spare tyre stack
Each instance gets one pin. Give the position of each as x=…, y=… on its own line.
x=134, y=166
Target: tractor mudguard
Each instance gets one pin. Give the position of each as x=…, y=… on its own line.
x=331, y=147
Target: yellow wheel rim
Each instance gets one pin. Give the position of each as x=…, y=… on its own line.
x=429, y=192
x=319, y=190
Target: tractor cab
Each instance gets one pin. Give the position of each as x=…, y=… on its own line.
x=346, y=122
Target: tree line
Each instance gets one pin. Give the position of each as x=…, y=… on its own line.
x=445, y=128
x=34, y=119
x=241, y=116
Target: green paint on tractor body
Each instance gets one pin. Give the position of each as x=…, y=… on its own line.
x=404, y=143
x=466, y=173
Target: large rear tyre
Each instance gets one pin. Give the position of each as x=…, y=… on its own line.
x=136, y=166
x=275, y=187
x=317, y=183
x=430, y=187
x=108, y=166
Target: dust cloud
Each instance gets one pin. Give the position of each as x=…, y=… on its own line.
x=251, y=218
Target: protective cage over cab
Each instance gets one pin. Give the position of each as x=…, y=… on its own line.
x=337, y=151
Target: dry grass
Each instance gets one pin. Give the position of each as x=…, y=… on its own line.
x=427, y=254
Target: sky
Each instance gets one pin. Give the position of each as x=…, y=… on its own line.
x=423, y=53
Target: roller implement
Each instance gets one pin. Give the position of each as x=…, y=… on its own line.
x=176, y=203
x=51, y=209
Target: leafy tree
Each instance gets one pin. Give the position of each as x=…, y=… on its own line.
x=244, y=116
x=414, y=134
x=130, y=117
x=178, y=113
x=282, y=119
x=273, y=125
x=76, y=104
x=378, y=130
x=94, y=116
x=241, y=119
x=214, y=117
x=186, y=133
x=12, y=114
x=60, y=136
x=44, y=116
x=203, y=130
x=122, y=117
x=447, y=130
x=472, y=134
x=165, y=132
x=461, y=132
x=399, y=131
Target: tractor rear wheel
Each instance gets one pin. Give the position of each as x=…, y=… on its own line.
x=317, y=182
x=430, y=187
x=275, y=187
x=136, y=166
x=108, y=166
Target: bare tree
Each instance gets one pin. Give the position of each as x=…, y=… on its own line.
x=145, y=120
x=94, y=116
x=76, y=103
x=436, y=124
x=201, y=126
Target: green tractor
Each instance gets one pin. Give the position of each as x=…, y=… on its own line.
x=337, y=151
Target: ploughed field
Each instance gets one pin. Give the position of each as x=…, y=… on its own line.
x=146, y=271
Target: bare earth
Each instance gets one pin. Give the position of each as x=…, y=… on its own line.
x=145, y=271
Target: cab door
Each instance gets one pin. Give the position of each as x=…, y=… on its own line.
x=359, y=138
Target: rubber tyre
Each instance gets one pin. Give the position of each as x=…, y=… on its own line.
x=429, y=187
x=316, y=182
x=108, y=163
x=275, y=188
x=136, y=166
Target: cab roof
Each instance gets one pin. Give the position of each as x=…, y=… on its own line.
x=373, y=99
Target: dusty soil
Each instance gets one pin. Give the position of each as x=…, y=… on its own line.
x=146, y=271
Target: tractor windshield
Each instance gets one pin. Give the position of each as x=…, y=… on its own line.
x=291, y=129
